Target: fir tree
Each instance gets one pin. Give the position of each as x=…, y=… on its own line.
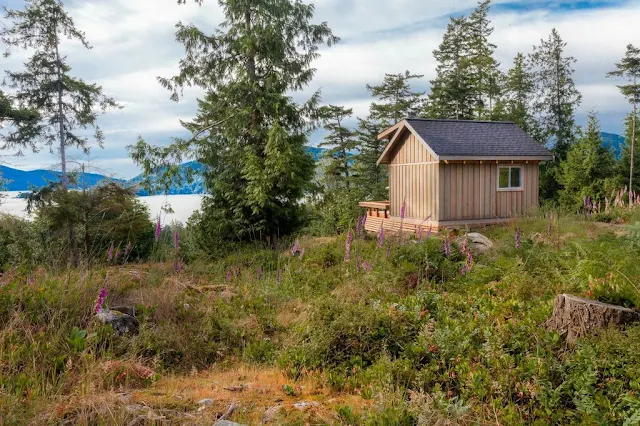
x=629, y=67
x=556, y=101
x=558, y=97
x=338, y=164
x=63, y=103
x=395, y=100
x=249, y=133
x=519, y=90
x=484, y=70
x=624, y=164
x=452, y=92
x=589, y=168
x=14, y=115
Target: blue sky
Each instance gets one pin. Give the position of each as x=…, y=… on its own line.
x=133, y=44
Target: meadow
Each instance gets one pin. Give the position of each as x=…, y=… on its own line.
x=352, y=330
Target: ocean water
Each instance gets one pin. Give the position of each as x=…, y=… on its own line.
x=183, y=206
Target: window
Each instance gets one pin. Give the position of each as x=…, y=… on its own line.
x=509, y=178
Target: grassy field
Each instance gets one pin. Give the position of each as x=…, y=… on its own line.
x=396, y=335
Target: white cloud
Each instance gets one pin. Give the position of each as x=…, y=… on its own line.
x=134, y=43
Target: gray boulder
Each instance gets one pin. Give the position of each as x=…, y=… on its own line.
x=477, y=242
x=122, y=323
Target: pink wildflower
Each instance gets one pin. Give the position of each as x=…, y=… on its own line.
x=101, y=297
x=362, y=220
x=403, y=210
x=127, y=249
x=176, y=240
x=447, y=247
x=110, y=252
x=381, y=237
x=294, y=249
x=158, y=230
x=420, y=229
x=117, y=255
x=347, y=247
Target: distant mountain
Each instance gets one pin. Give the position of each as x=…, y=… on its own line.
x=614, y=142
x=20, y=180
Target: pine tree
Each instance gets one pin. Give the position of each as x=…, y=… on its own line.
x=397, y=100
x=629, y=67
x=338, y=161
x=64, y=103
x=14, y=115
x=624, y=164
x=519, y=90
x=484, y=70
x=452, y=92
x=249, y=133
x=589, y=168
x=556, y=101
x=558, y=97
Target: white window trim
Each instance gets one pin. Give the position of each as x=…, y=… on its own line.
x=519, y=188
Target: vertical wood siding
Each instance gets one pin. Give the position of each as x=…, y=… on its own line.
x=470, y=191
x=413, y=178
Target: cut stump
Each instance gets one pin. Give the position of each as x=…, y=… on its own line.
x=575, y=317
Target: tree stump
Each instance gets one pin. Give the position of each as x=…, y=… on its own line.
x=575, y=317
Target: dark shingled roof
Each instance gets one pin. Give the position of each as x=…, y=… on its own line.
x=477, y=138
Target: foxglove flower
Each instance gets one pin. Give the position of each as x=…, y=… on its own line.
x=361, y=222
x=110, y=252
x=294, y=249
x=101, y=297
x=381, y=237
x=176, y=240
x=518, y=243
x=420, y=229
x=403, y=210
x=158, y=230
x=347, y=246
x=447, y=247
x=464, y=245
x=117, y=255
x=127, y=249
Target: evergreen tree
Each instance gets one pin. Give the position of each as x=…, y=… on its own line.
x=519, y=90
x=249, y=133
x=558, y=97
x=14, y=115
x=484, y=70
x=589, y=168
x=629, y=67
x=372, y=179
x=556, y=101
x=452, y=92
x=395, y=100
x=338, y=164
x=624, y=164
x=64, y=103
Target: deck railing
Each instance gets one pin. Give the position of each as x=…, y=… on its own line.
x=376, y=208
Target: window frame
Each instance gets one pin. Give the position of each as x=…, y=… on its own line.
x=511, y=188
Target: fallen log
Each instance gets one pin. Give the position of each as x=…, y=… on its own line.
x=575, y=317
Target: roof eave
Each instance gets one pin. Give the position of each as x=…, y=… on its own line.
x=496, y=158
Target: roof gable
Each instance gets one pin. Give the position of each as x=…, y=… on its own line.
x=459, y=139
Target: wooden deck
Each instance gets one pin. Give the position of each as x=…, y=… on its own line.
x=378, y=216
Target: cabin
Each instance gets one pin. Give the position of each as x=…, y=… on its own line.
x=455, y=173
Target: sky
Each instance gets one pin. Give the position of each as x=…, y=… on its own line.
x=133, y=43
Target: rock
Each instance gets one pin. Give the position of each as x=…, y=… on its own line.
x=303, y=405
x=271, y=413
x=575, y=317
x=120, y=322
x=477, y=242
x=205, y=402
x=227, y=423
x=129, y=310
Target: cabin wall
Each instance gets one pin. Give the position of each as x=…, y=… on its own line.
x=413, y=178
x=470, y=191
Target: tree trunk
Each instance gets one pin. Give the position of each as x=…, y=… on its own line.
x=575, y=317
x=63, y=154
x=633, y=143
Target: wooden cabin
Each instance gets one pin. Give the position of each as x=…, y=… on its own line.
x=451, y=173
